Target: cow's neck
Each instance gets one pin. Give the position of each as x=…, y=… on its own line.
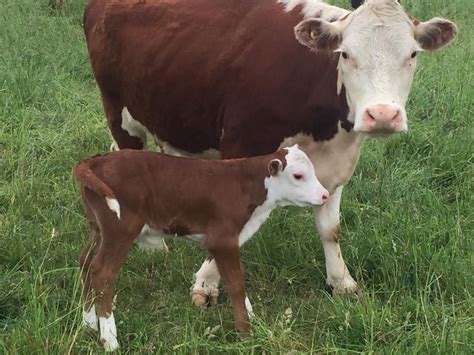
x=335, y=160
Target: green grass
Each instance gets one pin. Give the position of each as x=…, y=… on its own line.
x=407, y=222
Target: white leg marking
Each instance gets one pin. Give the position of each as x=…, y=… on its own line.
x=108, y=333
x=113, y=205
x=327, y=221
x=206, y=284
x=133, y=127
x=89, y=319
x=150, y=240
x=114, y=146
x=248, y=305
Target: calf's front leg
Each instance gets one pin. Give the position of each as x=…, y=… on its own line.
x=227, y=259
x=327, y=222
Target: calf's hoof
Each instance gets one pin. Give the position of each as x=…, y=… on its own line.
x=203, y=297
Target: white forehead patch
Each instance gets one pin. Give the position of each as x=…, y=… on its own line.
x=296, y=156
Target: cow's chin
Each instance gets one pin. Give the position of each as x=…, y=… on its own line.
x=381, y=134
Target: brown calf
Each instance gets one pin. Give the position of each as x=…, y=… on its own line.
x=220, y=203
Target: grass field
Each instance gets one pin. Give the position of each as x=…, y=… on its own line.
x=407, y=220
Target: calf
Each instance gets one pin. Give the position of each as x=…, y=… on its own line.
x=219, y=203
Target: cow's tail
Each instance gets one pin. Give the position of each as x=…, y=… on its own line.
x=86, y=177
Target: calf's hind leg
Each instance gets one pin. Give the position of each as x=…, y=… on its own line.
x=104, y=266
x=89, y=316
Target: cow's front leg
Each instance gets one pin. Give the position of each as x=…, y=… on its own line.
x=206, y=285
x=327, y=222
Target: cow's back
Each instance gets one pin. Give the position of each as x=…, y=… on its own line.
x=204, y=74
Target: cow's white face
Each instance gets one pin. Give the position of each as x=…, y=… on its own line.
x=295, y=183
x=378, y=46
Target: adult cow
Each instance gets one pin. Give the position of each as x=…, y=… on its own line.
x=238, y=78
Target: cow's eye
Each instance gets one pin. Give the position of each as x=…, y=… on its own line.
x=414, y=54
x=345, y=55
x=298, y=176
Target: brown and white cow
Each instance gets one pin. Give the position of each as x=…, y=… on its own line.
x=220, y=203
x=239, y=78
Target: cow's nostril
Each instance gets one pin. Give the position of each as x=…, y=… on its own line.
x=325, y=197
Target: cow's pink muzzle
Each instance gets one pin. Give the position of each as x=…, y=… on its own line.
x=383, y=119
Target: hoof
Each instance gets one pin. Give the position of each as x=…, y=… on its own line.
x=346, y=286
x=110, y=344
x=204, y=297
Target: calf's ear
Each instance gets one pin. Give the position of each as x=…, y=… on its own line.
x=435, y=33
x=275, y=167
x=318, y=34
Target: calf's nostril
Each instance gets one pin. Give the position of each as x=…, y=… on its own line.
x=325, y=197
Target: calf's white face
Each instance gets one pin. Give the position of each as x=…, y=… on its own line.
x=378, y=44
x=296, y=183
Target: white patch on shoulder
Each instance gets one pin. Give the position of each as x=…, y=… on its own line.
x=315, y=8
x=108, y=333
x=89, y=319
x=258, y=217
x=113, y=205
x=133, y=127
x=209, y=154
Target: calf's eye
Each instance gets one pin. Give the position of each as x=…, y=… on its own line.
x=298, y=176
x=345, y=55
x=414, y=54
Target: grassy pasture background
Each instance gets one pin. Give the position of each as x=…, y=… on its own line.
x=407, y=221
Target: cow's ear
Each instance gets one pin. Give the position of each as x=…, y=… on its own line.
x=318, y=34
x=435, y=33
x=275, y=167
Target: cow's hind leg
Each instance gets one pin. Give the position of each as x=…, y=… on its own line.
x=327, y=222
x=121, y=125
